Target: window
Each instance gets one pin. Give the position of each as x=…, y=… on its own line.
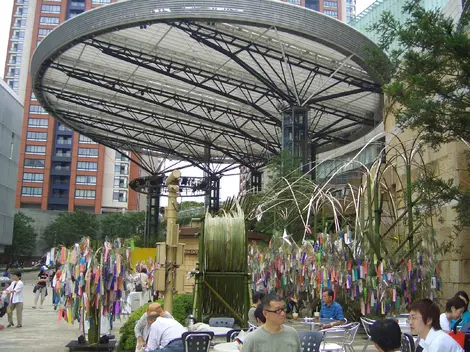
x=18, y=34
x=85, y=140
x=61, y=127
x=120, y=196
x=63, y=153
x=121, y=156
x=37, y=109
x=31, y=191
x=61, y=166
x=49, y=20
x=86, y=180
x=36, y=136
x=30, y=177
x=43, y=32
x=88, y=152
x=35, y=149
x=50, y=8
x=85, y=194
x=87, y=166
x=331, y=13
x=34, y=163
x=13, y=83
x=13, y=72
x=122, y=169
x=17, y=47
x=19, y=23
x=15, y=59
x=62, y=140
x=33, y=97
x=41, y=123
x=100, y=2
x=333, y=4
x=120, y=182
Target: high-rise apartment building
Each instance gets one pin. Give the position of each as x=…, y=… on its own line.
x=333, y=8
x=58, y=168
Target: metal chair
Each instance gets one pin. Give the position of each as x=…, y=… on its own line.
x=336, y=336
x=407, y=343
x=222, y=322
x=232, y=334
x=367, y=323
x=465, y=329
x=350, y=335
x=310, y=341
x=197, y=341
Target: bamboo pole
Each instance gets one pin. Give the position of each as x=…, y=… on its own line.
x=409, y=203
x=235, y=314
x=171, y=238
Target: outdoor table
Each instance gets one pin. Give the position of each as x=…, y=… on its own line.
x=318, y=323
x=226, y=347
x=219, y=330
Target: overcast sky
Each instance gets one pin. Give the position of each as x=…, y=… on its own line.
x=229, y=184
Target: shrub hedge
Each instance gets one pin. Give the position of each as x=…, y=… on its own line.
x=182, y=308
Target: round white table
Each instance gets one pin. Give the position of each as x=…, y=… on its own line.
x=226, y=347
x=219, y=330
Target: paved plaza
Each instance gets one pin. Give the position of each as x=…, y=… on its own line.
x=41, y=332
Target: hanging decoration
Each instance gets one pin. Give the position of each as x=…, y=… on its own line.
x=376, y=287
x=90, y=283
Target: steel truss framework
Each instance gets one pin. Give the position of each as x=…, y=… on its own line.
x=176, y=84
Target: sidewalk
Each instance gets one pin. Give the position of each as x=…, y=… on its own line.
x=41, y=332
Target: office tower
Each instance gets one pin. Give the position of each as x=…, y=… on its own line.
x=371, y=15
x=333, y=8
x=58, y=168
x=11, y=115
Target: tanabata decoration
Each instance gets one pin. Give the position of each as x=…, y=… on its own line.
x=378, y=288
x=91, y=282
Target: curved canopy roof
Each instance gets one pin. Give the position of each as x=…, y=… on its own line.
x=206, y=81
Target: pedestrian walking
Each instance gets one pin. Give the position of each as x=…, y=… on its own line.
x=40, y=290
x=16, y=295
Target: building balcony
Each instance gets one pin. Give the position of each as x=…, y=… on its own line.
x=62, y=157
x=60, y=172
x=58, y=200
x=64, y=143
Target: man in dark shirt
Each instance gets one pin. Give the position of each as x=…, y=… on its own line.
x=331, y=310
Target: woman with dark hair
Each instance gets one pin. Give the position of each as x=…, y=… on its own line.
x=466, y=313
x=41, y=287
x=454, y=309
x=386, y=335
x=424, y=322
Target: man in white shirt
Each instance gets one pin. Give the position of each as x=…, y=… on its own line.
x=424, y=322
x=16, y=296
x=142, y=327
x=165, y=334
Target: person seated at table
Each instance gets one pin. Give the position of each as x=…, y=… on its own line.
x=273, y=335
x=165, y=334
x=260, y=320
x=466, y=313
x=386, y=335
x=454, y=309
x=331, y=310
x=142, y=328
x=257, y=297
x=424, y=322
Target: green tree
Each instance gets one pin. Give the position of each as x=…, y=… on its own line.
x=69, y=228
x=429, y=81
x=190, y=204
x=123, y=225
x=24, y=237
